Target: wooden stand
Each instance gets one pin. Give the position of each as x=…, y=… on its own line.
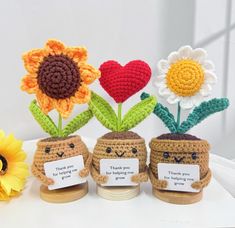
x=178, y=197
x=63, y=195
x=118, y=193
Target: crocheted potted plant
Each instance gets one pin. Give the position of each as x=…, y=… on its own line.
x=59, y=77
x=185, y=79
x=121, y=82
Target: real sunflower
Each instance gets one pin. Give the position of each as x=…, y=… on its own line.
x=186, y=77
x=13, y=169
x=59, y=76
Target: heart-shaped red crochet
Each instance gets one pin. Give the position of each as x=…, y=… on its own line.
x=121, y=82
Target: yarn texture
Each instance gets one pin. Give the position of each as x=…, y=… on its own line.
x=199, y=113
x=108, y=118
x=59, y=77
x=121, y=82
x=175, y=150
x=53, y=149
x=119, y=148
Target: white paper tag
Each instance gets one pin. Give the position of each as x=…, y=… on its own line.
x=179, y=176
x=65, y=172
x=119, y=171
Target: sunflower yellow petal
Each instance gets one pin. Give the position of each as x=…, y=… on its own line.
x=88, y=73
x=12, y=182
x=55, y=47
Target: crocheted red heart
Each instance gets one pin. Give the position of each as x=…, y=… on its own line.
x=121, y=82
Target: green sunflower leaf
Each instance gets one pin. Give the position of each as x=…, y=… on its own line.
x=77, y=122
x=138, y=113
x=43, y=120
x=164, y=114
x=202, y=111
x=103, y=112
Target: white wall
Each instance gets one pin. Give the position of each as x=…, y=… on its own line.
x=122, y=30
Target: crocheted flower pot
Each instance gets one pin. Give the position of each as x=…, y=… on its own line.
x=116, y=145
x=179, y=149
x=53, y=149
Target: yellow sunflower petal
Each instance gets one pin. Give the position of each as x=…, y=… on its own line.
x=14, y=156
x=45, y=102
x=2, y=134
x=3, y=195
x=29, y=84
x=5, y=184
x=9, y=182
x=21, y=165
x=32, y=59
x=13, y=146
x=78, y=54
x=21, y=173
x=1, y=165
x=83, y=95
x=64, y=107
x=55, y=47
x=88, y=73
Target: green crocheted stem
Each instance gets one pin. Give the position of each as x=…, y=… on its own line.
x=138, y=113
x=103, y=112
x=164, y=114
x=77, y=122
x=60, y=125
x=119, y=116
x=201, y=112
x=43, y=120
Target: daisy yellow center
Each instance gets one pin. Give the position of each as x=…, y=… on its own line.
x=185, y=77
x=3, y=165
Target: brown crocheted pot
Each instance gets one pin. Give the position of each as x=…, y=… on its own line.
x=124, y=145
x=53, y=149
x=179, y=149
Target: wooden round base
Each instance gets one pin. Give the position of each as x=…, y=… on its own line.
x=178, y=197
x=63, y=195
x=118, y=193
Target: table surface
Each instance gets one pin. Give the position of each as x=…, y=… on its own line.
x=215, y=210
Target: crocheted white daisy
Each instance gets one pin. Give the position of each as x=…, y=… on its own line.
x=186, y=77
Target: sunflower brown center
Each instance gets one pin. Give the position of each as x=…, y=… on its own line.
x=4, y=165
x=58, y=76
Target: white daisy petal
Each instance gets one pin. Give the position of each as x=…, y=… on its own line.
x=185, y=52
x=208, y=65
x=173, y=99
x=205, y=90
x=186, y=103
x=173, y=57
x=164, y=91
x=163, y=66
x=199, y=55
x=210, y=77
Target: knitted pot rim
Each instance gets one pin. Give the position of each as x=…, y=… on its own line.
x=68, y=139
x=120, y=141
x=179, y=145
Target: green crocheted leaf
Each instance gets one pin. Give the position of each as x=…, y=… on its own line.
x=164, y=114
x=201, y=112
x=103, y=112
x=77, y=122
x=138, y=113
x=44, y=121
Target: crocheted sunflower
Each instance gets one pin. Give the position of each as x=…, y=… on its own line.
x=59, y=77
